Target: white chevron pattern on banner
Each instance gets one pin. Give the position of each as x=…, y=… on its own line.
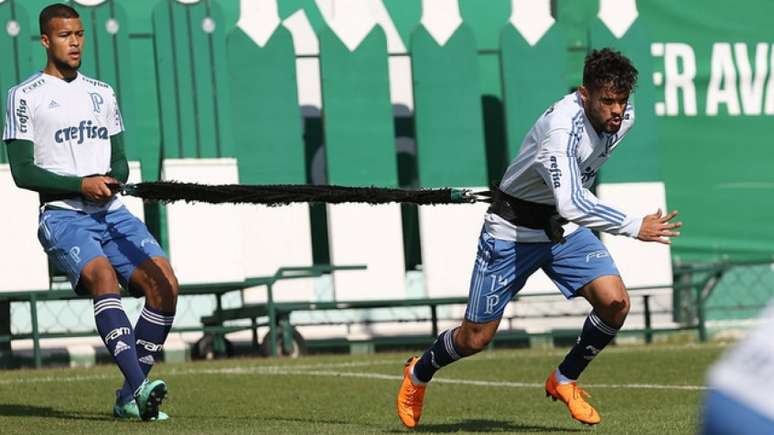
x=259, y=19
x=618, y=15
x=441, y=18
x=532, y=18
x=351, y=20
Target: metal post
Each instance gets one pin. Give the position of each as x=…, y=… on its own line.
x=702, y=295
x=648, y=332
x=218, y=343
x=287, y=335
x=434, y=317
x=6, y=355
x=700, y=316
x=272, y=320
x=254, y=326
x=35, y=332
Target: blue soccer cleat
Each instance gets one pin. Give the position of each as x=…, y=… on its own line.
x=149, y=397
x=129, y=411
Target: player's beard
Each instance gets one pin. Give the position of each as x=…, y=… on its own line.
x=64, y=67
x=602, y=125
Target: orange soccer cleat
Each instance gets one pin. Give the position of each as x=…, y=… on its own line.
x=410, y=397
x=573, y=396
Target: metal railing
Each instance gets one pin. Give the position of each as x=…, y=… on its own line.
x=701, y=293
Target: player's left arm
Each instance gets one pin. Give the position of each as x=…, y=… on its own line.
x=557, y=164
x=119, y=166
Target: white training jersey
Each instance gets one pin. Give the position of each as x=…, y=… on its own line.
x=557, y=164
x=70, y=124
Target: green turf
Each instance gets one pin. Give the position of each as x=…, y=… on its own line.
x=355, y=394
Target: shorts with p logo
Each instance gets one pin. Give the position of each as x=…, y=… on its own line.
x=503, y=266
x=73, y=238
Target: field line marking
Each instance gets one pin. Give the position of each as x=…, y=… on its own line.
x=505, y=384
x=276, y=370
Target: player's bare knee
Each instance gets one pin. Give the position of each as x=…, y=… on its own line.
x=472, y=342
x=168, y=291
x=169, y=287
x=156, y=280
x=99, y=277
x=615, y=311
x=480, y=342
x=161, y=294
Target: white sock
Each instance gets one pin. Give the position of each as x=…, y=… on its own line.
x=414, y=379
x=562, y=378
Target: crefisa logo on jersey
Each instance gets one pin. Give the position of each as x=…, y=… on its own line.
x=556, y=173
x=84, y=130
x=22, y=115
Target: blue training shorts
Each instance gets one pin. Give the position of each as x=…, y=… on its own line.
x=503, y=266
x=73, y=238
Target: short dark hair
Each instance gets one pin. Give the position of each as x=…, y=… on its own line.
x=608, y=68
x=57, y=10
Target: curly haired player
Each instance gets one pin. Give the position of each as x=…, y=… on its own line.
x=541, y=217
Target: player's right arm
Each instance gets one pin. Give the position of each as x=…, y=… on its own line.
x=27, y=175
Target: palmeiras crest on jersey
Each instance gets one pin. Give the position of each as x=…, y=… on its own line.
x=96, y=101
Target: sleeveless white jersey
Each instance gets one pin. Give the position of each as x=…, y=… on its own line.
x=70, y=124
x=556, y=165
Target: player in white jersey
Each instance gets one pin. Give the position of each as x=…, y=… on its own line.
x=63, y=136
x=740, y=384
x=541, y=217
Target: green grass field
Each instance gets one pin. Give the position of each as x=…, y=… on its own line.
x=637, y=389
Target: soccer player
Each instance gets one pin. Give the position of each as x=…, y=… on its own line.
x=63, y=136
x=541, y=217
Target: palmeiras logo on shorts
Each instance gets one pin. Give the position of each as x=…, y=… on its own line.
x=96, y=101
x=75, y=254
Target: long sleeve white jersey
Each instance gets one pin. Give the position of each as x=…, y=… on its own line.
x=557, y=164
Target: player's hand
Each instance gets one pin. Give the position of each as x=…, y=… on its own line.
x=96, y=189
x=657, y=227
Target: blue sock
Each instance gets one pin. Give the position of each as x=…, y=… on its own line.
x=117, y=334
x=594, y=337
x=440, y=354
x=151, y=332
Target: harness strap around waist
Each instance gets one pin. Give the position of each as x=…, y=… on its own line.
x=528, y=214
